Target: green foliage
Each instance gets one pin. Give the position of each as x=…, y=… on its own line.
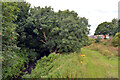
x=38, y=30
x=31, y=54
x=22, y=15
x=98, y=39
x=13, y=58
x=105, y=28
x=44, y=65
x=26, y=76
x=116, y=40
x=91, y=40
x=13, y=63
x=115, y=27
x=9, y=35
x=62, y=31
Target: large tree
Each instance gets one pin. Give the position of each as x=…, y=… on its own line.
x=107, y=28
x=61, y=31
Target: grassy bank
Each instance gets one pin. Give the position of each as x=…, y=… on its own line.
x=90, y=63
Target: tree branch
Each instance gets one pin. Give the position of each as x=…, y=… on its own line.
x=43, y=41
x=56, y=50
x=44, y=35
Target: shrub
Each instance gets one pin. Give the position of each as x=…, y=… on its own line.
x=98, y=39
x=13, y=64
x=31, y=54
x=13, y=59
x=105, y=43
x=44, y=65
x=116, y=40
x=91, y=40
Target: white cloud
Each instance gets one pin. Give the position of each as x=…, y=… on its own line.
x=97, y=11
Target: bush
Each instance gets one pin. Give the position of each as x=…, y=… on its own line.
x=91, y=40
x=98, y=39
x=13, y=59
x=44, y=65
x=13, y=64
x=116, y=40
x=31, y=54
x=105, y=43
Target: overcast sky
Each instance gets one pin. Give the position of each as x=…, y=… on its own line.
x=96, y=11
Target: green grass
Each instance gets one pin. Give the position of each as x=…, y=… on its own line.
x=95, y=65
x=100, y=65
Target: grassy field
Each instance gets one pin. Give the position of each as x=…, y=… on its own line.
x=93, y=65
x=94, y=61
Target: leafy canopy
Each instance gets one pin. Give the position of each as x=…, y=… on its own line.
x=110, y=28
x=13, y=59
x=61, y=31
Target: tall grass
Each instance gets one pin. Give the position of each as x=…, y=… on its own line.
x=94, y=65
x=107, y=50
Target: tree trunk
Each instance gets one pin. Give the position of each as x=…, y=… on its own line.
x=105, y=37
x=56, y=50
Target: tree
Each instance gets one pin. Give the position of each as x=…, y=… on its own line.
x=9, y=35
x=103, y=28
x=22, y=15
x=61, y=31
x=110, y=28
x=13, y=60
